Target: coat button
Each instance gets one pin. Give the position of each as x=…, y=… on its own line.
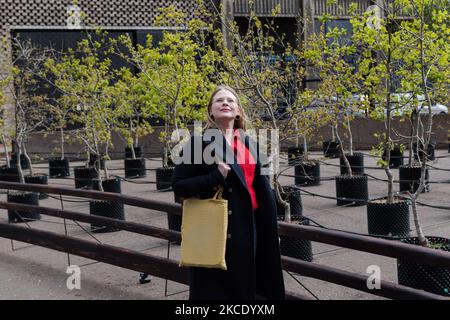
x=230, y=212
x=228, y=236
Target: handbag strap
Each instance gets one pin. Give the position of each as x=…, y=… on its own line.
x=218, y=194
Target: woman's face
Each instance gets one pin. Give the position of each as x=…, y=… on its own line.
x=224, y=106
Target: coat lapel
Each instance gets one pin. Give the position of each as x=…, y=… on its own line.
x=225, y=153
x=234, y=164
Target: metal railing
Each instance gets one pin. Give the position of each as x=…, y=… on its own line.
x=288, y=8
x=292, y=8
x=168, y=269
x=340, y=9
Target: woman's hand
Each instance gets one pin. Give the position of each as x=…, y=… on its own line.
x=224, y=169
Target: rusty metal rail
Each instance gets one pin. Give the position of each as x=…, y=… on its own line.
x=355, y=281
x=388, y=248
x=134, y=227
x=113, y=255
x=92, y=194
x=133, y=260
x=117, y=256
x=155, y=265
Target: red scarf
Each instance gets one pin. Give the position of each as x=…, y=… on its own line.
x=247, y=164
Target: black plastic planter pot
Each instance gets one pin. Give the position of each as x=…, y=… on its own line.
x=352, y=190
x=58, y=168
x=108, y=209
x=84, y=177
x=93, y=158
x=430, y=153
x=295, y=200
x=38, y=179
x=30, y=198
x=388, y=219
x=425, y=277
x=410, y=179
x=396, y=159
x=356, y=163
x=135, y=168
x=9, y=174
x=137, y=152
x=23, y=161
x=307, y=174
x=295, y=155
x=331, y=148
x=296, y=247
x=290, y=246
x=170, y=163
x=110, y=185
x=164, y=178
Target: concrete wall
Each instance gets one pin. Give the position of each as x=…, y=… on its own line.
x=363, y=131
x=363, y=138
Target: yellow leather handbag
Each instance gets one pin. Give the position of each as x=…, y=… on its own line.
x=204, y=232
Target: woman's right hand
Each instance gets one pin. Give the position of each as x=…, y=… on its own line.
x=224, y=169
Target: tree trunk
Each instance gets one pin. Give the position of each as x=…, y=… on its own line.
x=387, y=141
x=411, y=139
x=30, y=167
x=390, y=194
x=5, y=148
x=426, y=132
x=166, y=147
x=19, y=167
x=283, y=203
x=105, y=162
x=344, y=157
x=136, y=136
x=166, y=156
x=133, y=155
x=420, y=235
x=350, y=137
x=88, y=152
x=61, y=130
x=97, y=171
x=305, y=149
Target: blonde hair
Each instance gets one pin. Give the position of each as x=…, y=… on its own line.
x=239, y=123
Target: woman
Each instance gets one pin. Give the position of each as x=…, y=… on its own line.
x=252, y=252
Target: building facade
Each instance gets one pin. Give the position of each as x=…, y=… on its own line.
x=18, y=15
x=59, y=20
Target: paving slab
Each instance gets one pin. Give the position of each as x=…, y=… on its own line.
x=32, y=272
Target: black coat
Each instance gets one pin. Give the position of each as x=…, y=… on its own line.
x=246, y=275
